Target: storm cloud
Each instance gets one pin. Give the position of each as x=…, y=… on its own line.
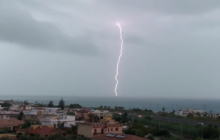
x=171, y=48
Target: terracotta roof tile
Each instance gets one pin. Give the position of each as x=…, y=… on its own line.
x=45, y=130
x=10, y=122
x=128, y=137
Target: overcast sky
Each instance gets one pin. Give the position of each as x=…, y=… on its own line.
x=53, y=47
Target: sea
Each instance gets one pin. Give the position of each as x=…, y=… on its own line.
x=155, y=104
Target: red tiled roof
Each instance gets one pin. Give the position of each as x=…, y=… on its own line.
x=128, y=137
x=85, y=115
x=45, y=130
x=10, y=122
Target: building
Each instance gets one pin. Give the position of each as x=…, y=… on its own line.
x=184, y=112
x=89, y=129
x=8, y=115
x=12, y=124
x=1, y=107
x=24, y=107
x=111, y=136
x=102, y=113
x=68, y=120
x=41, y=130
x=4, y=116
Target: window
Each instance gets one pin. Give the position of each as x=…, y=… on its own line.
x=116, y=129
x=111, y=129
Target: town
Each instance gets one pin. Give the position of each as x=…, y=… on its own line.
x=21, y=120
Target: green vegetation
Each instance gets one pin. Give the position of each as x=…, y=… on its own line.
x=137, y=129
x=6, y=104
x=207, y=132
x=26, y=124
x=121, y=118
x=26, y=102
x=5, y=130
x=75, y=106
x=163, y=109
x=51, y=104
x=162, y=132
x=61, y=104
x=93, y=118
x=20, y=115
x=70, y=113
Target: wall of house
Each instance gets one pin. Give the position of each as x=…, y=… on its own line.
x=85, y=130
x=98, y=130
x=68, y=121
x=4, y=117
x=116, y=130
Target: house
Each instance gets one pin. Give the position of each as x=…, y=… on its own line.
x=41, y=130
x=102, y=113
x=4, y=116
x=15, y=108
x=89, y=129
x=68, y=120
x=83, y=116
x=1, y=107
x=112, y=136
x=24, y=107
x=184, y=112
x=12, y=124
x=8, y=114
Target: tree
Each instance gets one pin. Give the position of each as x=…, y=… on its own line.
x=26, y=124
x=4, y=138
x=70, y=113
x=137, y=129
x=75, y=106
x=6, y=104
x=26, y=102
x=117, y=117
x=61, y=104
x=74, y=129
x=101, y=107
x=60, y=125
x=198, y=114
x=124, y=117
x=93, y=118
x=189, y=115
x=20, y=115
x=139, y=133
x=162, y=132
x=163, y=109
x=51, y=104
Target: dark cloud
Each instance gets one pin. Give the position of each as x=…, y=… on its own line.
x=170, y=47
x=172, y=7
x=19, y=27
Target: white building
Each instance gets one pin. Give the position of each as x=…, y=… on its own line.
x=1, y=107
x=68, y=120
x=103, y=113
x=184, y=112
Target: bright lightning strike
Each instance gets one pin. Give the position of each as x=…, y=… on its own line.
x=119, y=58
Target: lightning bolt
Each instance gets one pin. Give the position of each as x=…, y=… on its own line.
x=119, y=59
